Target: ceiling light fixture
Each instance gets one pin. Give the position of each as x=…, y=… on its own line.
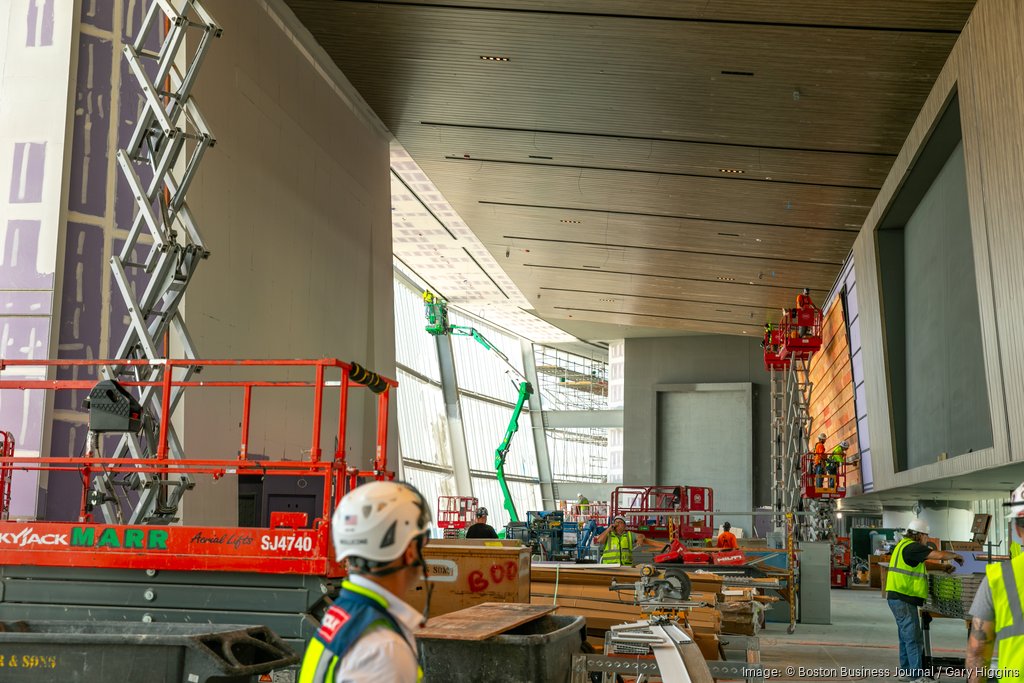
x=730, y=170
x=488, y=58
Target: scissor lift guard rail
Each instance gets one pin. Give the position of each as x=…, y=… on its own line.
x=277, y=575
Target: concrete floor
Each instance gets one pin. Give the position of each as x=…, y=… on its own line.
x=862, y=635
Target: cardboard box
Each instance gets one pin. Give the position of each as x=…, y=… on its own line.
x=467, y=572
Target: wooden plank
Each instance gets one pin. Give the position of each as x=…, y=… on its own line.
x=482, y=621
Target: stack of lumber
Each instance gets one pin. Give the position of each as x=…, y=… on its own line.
x=584, y=591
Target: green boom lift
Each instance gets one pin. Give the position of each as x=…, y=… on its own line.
x=437, y=325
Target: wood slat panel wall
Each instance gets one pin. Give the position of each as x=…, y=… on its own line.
x=985, y=69
x=832, y=409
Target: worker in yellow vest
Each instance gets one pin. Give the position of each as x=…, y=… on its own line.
x=379, y=530
x=618, y=543
x=996, y=610
x=906, y=587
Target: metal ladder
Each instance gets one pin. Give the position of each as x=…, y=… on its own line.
x=168, y=142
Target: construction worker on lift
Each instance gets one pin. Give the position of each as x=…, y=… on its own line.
x=819, y=458
x=618, y=543
x=834, y=462
x=379, y=530
x=996, y=612
x=803, y=301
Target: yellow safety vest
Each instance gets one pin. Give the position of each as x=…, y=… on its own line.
x=615, y=552
x=319, y=662
x=1009, y=622
x=1014, y=550
x=902, y=578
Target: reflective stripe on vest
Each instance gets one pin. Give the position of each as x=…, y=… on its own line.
x=1009, y=615
x=615, y=553
x=321, y=659
x=902, y=578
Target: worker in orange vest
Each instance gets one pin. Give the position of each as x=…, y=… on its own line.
x=819, y=458
x=803, y=300
x=727, y=539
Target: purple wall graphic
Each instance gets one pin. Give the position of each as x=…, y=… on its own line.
x=89, y=149
x=81, y=308
x=27, y=172
x=18, y=265
x=40, y=23
x=98, y=14
x=103, y=121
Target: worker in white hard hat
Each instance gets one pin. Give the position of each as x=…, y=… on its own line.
x=379, y=530
x=906, y=587
x=996, y=610
x=618, y=542
x=835, y=462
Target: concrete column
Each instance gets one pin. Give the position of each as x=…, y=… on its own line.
x=453, y=413
x=540, y=442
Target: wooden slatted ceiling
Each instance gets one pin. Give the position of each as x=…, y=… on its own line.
x=601, y=146
x=924, y=15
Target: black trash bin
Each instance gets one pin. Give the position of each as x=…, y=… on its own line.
x=537, y=651
x=120, y=652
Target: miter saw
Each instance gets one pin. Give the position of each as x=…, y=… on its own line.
x=659, y=595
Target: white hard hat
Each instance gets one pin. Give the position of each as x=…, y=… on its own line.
x=376, y=521
x=822, y=437
x=918, y=525
x=1016, y=503
x=845, y=444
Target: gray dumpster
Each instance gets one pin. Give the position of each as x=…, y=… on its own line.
x=537, y=651
x=131, y=652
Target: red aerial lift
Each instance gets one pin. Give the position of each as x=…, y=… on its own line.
x=800, y=330
x=6, y=451
x=455, y=513
x=822, y=486
x=772, y=345
x=666, y=512
x=283, y=548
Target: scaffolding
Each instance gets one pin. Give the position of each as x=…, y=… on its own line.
x=570, y=381
x=788, y=351
x=166, y=146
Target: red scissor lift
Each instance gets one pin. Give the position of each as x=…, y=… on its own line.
x=772, y=345
x=455, y=513
x=666, y=512
x=800, y=333
x=6, y=451
x=833, y=486
x=284, y=548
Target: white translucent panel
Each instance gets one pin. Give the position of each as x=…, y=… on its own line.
x=422, y=425
x=578, y=454
x=415, y=348
x=485, y=424
x=481, y=370
x=525, y=495
x=432, y=485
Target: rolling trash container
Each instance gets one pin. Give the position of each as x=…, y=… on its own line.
x=120, y=652
x=539, y=651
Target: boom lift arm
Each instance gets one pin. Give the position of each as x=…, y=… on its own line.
x=437, y=325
